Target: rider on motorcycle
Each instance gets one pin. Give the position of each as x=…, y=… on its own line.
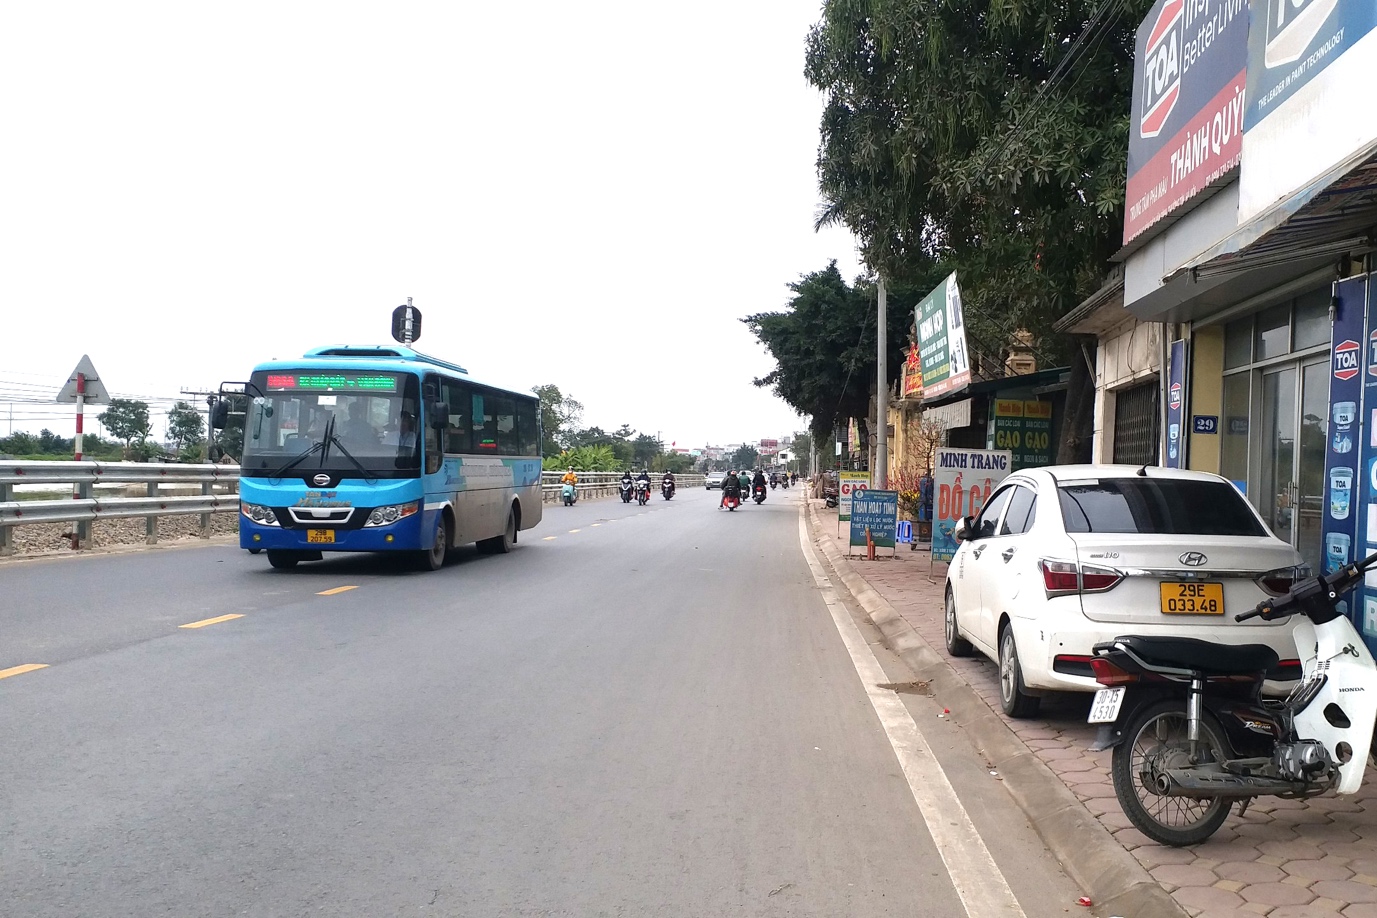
x=626, y=486
x=668, y=479
x=570, y=477
x=759, y=481
x=730, y=485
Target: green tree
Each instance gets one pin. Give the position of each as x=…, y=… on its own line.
x=186, y=429
x=824, y=344
x=645, y=449
x=802, y=450
x=559, y=417
x=51, y=444
x=127, y=420
x=20, y=444
x=991, y=138
x=745, y=457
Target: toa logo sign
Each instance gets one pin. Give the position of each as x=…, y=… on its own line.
x=1162, y=68
x=1346, y=358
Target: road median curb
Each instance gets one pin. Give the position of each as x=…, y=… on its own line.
x=1089, y=854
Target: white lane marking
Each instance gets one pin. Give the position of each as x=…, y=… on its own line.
x=983, y=890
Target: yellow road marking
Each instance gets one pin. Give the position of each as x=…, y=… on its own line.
x=549, y=538
x=572, y=531
x=20, y=670
x=211, y=621
x=343, y=589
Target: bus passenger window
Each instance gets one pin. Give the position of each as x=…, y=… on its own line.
x=484, y=426
x=458, y=397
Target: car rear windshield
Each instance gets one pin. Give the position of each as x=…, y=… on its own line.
x=1156, y=505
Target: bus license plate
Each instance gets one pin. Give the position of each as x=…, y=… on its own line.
x=320, y=536
x=1193, y=599
x=1105, y=708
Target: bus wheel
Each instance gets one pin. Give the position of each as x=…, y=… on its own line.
x=433, y=558
x=500, y=545
x=283, y=560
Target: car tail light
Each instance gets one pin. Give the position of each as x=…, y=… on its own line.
x=1099, y=579
x=1062, y=578
x=1111, y=674
x=1280, y=581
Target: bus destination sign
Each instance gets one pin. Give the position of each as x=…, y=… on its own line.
x=331, y=382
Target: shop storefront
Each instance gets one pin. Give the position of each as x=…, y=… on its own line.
x=1247, y=243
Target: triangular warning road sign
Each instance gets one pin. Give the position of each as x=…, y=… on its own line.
x=95, y=393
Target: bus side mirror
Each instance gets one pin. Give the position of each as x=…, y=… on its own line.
x=439, y=415
x=219, y=415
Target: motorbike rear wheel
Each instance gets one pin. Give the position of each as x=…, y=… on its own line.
x=1155, y=738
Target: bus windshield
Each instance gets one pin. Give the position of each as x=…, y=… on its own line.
x=353, y=423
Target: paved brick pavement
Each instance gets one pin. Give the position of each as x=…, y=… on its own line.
x=1283, y=859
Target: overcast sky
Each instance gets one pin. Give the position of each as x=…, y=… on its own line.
x=589, y=195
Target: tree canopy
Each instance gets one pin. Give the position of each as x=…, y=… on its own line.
x=559, y=418
x=185, y=428
x=127, y=419
x=824, y=345
x=989, y=137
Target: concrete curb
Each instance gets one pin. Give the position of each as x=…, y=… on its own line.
x=1108, y=873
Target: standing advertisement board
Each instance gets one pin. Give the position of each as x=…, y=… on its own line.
x=942, y=340
x=964, y=479
x=1306, y=58
x=1186, y=130
x=1176, y=405
x=848, y=483
x=877, y=512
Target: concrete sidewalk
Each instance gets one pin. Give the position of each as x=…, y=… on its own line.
x=1283, y=859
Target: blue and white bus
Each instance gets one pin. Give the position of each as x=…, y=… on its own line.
x=383, y=449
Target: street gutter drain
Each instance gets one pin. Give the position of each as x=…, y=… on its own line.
x=906, y=688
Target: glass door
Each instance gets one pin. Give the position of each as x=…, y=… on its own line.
x=1278, y=492
x=1314, y=428
x=1295, y=422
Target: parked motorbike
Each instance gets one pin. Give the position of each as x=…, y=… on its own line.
x=667, y=489
x=569, y=495
x=759, y=495
x=1192, y=735
x=626, y=491
x=642, y=492
x=829, y=498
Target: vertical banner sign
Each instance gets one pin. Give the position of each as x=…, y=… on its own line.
x=877, y=511
x=1349, y=521
x=942, y=341
x=964, y=479
x=1176, y=406
x=848, y=483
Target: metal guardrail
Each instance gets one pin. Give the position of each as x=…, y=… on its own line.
x=86, y=507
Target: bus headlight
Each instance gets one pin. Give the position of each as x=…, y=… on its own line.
x=261, y=515
x=386, y=516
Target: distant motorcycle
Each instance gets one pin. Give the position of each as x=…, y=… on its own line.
x=626, y=490
x=760, y=494
x=667, y=489
x=731, y=501
x=642, y=492
x=570, y=495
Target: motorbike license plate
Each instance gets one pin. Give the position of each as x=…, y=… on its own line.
x=1105, y=708
x=1193, y=598
x=320, y=536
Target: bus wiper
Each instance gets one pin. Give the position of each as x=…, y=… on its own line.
x=314, y=447
x=367, y=475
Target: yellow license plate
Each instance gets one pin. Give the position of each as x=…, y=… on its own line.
x=1193, y=598
x=320, y=536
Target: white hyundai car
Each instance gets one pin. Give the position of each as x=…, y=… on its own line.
x=1064, y=557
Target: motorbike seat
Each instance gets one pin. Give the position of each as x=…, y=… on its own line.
x=1206, y=656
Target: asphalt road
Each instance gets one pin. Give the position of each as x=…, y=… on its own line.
x=637, y=712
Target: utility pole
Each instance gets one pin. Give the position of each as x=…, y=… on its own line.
x=880, y=476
